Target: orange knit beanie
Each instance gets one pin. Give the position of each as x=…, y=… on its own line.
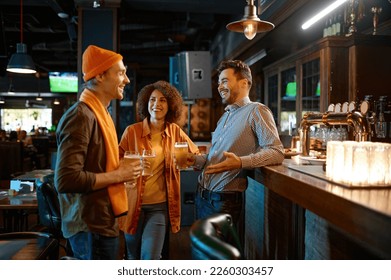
x=97, y=60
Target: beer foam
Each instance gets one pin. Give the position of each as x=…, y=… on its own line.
x=132, y=156
x=181, y=145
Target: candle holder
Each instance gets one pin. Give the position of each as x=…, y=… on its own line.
x=359, y=164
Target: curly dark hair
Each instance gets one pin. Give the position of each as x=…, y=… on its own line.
x=241, y=69
x=174, y=100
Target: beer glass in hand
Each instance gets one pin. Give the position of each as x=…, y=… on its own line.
x=131, y=156
x=148, y=159
x=180, y=155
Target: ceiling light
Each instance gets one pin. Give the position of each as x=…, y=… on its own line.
x=2, y=100
x=20, y=61
x=56, y=102
x=62, y=15
x=322, y=13
x=250, y=24
x=39, y=98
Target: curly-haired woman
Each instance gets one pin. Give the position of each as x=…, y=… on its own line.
x=155, y=202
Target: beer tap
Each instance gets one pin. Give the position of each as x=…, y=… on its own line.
x=355, y=119
x=368, y=109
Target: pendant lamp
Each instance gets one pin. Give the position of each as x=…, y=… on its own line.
x=250, y=24
x=21, y=62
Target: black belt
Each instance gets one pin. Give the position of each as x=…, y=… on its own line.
x=219, y=196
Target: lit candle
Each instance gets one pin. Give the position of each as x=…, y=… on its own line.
x=359, y=163
x=338, y=162
x=379, y=164
x=348, y=160
x=330, y=158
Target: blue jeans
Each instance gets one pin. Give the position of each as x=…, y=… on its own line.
x=207, y=207
x=103, y=247
x=80, y=246
x=147, y=243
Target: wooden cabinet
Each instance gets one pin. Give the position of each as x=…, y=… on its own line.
x=370, y=66
x=332, y=70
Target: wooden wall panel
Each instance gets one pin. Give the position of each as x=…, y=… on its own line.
x=323, y=241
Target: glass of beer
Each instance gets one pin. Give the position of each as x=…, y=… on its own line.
x=148, y=156
x=131, y=156
x=180, y=155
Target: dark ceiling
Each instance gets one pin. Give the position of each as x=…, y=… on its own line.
x=152, y=30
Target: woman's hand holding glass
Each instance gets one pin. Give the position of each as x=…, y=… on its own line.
x=180, y=155
x=148, y=159
x=133, y=161
x=187, y=160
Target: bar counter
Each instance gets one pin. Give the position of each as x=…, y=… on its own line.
x=304, y=217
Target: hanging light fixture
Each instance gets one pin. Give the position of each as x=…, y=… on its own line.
x=56, y=101
x=21, y=62
x=2, y=100
x=250, y=24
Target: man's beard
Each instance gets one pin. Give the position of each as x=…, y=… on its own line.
x=227, y=99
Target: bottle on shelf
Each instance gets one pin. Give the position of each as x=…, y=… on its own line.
x=334, y=25
x=330, y=27
x=381, y=124
x=325, y=29
x=338, y=26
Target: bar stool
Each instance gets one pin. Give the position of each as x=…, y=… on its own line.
x=215, y=238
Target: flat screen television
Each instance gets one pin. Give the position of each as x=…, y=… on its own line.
x=317, y=91
x=290, y=89
x=63, y=82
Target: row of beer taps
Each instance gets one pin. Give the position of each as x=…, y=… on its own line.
x=367, y=118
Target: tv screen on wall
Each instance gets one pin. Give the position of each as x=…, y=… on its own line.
x=63, y=82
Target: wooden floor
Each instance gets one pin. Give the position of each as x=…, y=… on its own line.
x=179, y=245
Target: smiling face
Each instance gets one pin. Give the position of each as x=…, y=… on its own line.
x=114, y=81
x=229, y=86
x=157, y=105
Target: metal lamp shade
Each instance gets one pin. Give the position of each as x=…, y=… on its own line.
x=21, y=62
x=250, y=24
x=238, y=26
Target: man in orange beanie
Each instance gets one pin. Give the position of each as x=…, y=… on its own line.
x=89, y=176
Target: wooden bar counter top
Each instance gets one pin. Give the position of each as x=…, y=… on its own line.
x=322, y=215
